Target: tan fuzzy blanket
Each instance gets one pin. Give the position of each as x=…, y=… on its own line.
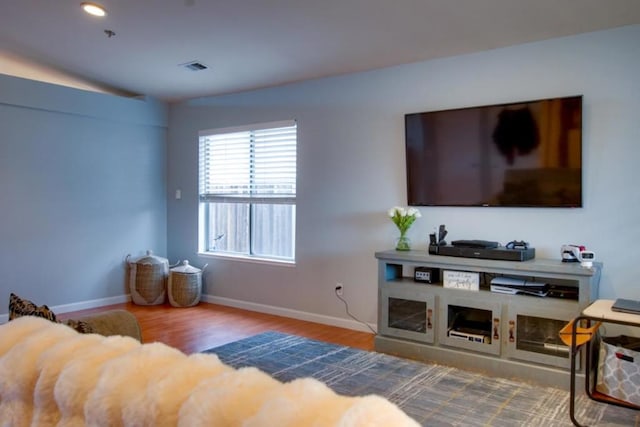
x=52, y=376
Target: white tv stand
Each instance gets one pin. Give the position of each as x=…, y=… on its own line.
x=513, y=336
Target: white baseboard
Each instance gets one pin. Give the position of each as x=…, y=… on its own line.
x=83, y=305
x=287, y=312
x=252, y=306
x=94, y=303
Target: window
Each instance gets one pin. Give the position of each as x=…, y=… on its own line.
x=247, y=179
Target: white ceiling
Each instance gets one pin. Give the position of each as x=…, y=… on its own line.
x=251, y=44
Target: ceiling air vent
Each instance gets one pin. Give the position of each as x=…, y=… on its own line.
x=195, y=66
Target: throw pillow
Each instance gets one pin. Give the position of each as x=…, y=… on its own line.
x=22, y=307
x=80, y=326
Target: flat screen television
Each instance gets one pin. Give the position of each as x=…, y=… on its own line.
x=524, y=154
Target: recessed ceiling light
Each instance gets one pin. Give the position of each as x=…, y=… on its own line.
x=94, y=9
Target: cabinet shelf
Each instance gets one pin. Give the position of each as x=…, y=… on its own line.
x=505, y=334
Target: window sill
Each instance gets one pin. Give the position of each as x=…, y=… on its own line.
x=247, y=258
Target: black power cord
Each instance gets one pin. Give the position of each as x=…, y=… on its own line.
x=346, y=307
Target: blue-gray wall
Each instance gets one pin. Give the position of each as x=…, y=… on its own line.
x=86, y=178
x=82, y=184
x=351, y=168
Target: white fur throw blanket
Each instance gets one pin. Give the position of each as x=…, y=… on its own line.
x=52, y=376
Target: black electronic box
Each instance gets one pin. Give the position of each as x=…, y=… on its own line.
x=499, y=253
x=426, y=274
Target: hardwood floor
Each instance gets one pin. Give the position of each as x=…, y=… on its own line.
x=204, y=326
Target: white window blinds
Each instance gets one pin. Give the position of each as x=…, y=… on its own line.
x=250, y=164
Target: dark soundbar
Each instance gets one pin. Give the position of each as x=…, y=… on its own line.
x=500, y=253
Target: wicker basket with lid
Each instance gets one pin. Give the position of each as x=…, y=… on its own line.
x=148, y=279
x=185, y=285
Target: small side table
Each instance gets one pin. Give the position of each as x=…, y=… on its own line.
x=598, y=311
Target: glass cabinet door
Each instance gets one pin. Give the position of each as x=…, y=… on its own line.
x=532, y=335
x=471, y=323
x=406, y=312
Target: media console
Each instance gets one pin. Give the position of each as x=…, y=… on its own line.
x=449, y=322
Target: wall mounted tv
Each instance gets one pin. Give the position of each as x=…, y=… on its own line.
x=525, y=154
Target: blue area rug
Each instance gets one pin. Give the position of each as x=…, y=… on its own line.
x=433, y=395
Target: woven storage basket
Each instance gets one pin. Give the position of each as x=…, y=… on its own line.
x=148, y=279
x=185, y=285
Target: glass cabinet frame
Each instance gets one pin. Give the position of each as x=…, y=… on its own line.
x=411, y=293
x=470, y=310
x=520, y=317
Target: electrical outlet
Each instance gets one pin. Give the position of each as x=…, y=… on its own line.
x=339, y=289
